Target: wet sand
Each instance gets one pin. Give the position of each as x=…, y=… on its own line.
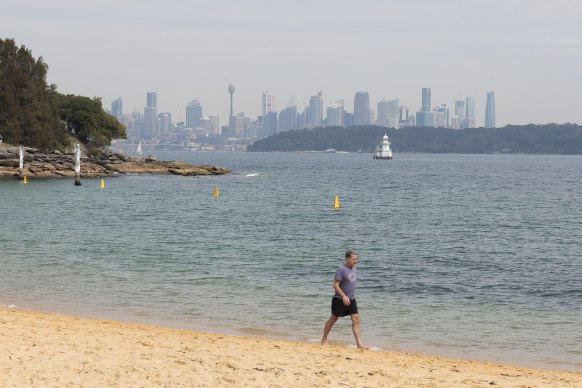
x=48, y=350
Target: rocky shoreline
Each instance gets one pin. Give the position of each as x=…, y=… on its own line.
x=57, y=164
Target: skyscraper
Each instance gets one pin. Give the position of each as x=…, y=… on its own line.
x=269, y=124
x=361, y=108
x=469, y=112
x=150, y=117
x=287, y=120
x=152, y=100
x=117, y=109
x=164, y=123
x=315, y=113
x=490, y=111
x=426, y=96
x=460, y=111
x=388, y=114
x=424, y=118
x=403, y=116
x=268, y=103
x=441, y=116
x=193, y=114
x=335, y=115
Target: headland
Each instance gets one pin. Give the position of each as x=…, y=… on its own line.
x=57, y=164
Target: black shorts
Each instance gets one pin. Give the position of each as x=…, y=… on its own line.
x=339, y=309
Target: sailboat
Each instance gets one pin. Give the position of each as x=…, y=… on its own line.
x=139, y=150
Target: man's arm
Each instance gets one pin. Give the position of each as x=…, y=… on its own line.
x=337, y=289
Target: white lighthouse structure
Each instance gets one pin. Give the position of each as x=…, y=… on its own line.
x=383, y=151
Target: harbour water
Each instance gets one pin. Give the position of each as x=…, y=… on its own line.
x=472, y=256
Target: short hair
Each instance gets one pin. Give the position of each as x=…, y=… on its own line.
x=350, y=253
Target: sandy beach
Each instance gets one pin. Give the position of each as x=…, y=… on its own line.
x=48, y=350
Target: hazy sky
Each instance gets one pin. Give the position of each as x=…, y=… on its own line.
x=528, y=51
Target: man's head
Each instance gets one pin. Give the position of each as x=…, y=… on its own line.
x=351, y=258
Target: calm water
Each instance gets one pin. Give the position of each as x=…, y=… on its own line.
x=475, y=256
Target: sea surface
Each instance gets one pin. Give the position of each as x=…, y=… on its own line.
x=471, y=256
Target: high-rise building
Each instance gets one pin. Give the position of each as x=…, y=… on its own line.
x=361, y=108
x=302, y=118
x=440, y=116
x=403, y=119
x=152, y=100
x=150, y=117
x=164, y=123
x=348, y=119
x=315, y=112
x=460, y=111
x=287, y=120
x=441, y=119
x=193, y=114
x=426, y=97
x=490, y=111
x=237, y=125
x=269, y=124
x=388, y=114
x=268, y=103
x=455, y=124
x=214, y=125
x=335, y=115
x=425, y=118
x=117, y=109
x=469, y=112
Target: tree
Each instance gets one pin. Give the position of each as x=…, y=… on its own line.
x=87, y=121
x=28, y=106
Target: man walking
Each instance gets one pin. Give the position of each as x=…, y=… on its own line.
x=344, y=301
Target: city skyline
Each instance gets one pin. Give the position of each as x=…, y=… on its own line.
x=194, y=50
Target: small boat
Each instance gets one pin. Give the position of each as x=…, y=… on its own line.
x=330, y=151
x=139, y=150
x=383, y=151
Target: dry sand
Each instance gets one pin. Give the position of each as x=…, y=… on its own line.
x=47, y=350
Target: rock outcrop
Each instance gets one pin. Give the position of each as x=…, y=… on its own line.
x=57, y=164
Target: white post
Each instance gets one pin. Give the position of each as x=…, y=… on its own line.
x=77, y=164
x=21, y=158
x=77, y=158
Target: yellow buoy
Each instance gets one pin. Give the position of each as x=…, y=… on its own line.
x=25, y=180
x=336, y=203
x=216, y=192
x=102, y=183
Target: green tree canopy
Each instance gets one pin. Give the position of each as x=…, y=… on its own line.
x=86, y=120
x=28, y=106
x=32, y=113
x=526, y=139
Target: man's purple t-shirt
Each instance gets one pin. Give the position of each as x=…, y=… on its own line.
x=347, y=278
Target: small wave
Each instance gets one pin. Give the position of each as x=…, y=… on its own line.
x=8, y=306
x=253, y=174
x=374, y=348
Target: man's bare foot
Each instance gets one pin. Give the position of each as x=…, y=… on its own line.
x=360, y=346
x=324, y=341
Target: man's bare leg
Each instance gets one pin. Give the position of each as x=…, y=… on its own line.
x=356, y=330
x=328, y=325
